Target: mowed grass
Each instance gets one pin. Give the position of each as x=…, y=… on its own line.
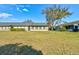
x=49, y=42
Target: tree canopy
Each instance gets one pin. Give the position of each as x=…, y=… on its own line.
x=55, y=13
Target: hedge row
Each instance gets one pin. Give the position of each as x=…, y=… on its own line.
x=58, y=28
x=17, y=29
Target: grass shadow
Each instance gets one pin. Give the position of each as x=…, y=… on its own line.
x=17, y=49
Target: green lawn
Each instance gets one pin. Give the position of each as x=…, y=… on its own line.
x=49, y=42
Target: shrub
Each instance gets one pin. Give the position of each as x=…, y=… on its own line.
x=63, y=28
x=59, y=28
x=11, y=26
x=51, y=28
x=17, y=29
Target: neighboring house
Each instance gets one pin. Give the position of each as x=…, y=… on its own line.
x=28, y=26
x=72, y=26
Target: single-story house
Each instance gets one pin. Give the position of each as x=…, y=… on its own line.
x=28, y=26
x=72, y=26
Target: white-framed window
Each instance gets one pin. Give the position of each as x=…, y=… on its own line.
x=0, y=28
x=32, y=27
x=4, y=28
x=7, y=27
x=40, y=27
x=43, y=27
x=36, y=27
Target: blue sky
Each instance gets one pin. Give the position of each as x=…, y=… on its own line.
x=22, y=12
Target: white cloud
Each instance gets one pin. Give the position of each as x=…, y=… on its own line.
x=18, y=9
x=5, y=15
x=22, y=8
x=26, y=10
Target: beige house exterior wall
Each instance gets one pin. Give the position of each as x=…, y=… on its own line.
x=38, y=28
x=4, y=28
x=19, y=27
x=26, y=28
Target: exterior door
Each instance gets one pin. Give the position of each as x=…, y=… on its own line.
x=28, y=28
x=76, y=28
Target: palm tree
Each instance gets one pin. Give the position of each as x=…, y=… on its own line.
x=55, y=13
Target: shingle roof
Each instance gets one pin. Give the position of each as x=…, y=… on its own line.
x=74, y=22
x=39, y=24
x=71, y=23
x=21, y=24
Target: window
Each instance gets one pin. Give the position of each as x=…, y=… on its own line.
x=4, y=28
x=36, y=27
x=43, y=27
x=76, y=27
x=33, y=27
x=40, y=27
x=7, y=27
x=1, y=27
